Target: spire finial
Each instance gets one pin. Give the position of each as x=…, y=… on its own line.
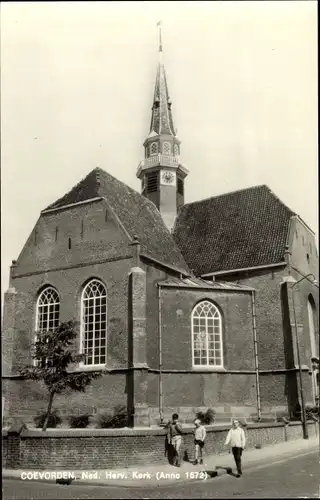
x=159, y=23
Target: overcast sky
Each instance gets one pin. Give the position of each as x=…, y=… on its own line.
x=77, y=84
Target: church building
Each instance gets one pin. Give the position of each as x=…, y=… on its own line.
x=184, y=306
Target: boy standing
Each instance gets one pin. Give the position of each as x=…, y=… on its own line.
x=174, y=437
x=199, y=437
x=237, y=440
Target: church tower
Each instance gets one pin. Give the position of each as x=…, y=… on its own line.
x=161, y=173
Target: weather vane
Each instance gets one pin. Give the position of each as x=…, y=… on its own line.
x=159, y=23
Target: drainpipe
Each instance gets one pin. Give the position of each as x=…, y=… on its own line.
x=256, y=359
x=160, y=356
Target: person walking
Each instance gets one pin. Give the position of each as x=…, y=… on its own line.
x=199, y=437
x=236, y=438
x=174, y=437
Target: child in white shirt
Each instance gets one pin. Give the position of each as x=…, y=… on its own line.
x=199, y=437
x=237, y=440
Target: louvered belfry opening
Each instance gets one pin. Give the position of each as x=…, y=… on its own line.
x=180, y=186
x=152, y=182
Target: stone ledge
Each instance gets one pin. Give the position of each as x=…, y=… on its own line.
x=132, y=432
x=188, y=429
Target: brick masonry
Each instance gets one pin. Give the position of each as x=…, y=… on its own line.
x=107, y=449
x=100, y=248
x=276, y=332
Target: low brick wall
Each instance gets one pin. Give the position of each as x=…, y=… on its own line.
x=118, y=448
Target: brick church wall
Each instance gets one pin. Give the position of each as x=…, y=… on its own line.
x=303, y=261
x=176, y=327
x=27, y=399
x=47, y=260
x=91, y=230
x=222, y=390
x=276, y=333
x=69, y=285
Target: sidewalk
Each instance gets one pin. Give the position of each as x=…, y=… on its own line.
x=158, y=475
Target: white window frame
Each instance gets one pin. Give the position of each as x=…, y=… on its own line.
x=38, y=305
x=216, y=316
x=84, y=364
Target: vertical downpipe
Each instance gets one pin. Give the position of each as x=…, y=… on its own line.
x=256, y=359
x=160, y=356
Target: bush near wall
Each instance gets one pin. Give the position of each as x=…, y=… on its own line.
x=54, y=420
x=118, y=419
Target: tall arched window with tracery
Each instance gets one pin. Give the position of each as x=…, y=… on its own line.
x=206, y=324
x=313, y=327
x=47, y=311
x=94, y=323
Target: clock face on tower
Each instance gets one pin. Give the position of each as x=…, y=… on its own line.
x=168, y=178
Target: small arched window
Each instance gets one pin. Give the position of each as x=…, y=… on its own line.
x=94, y=323
x=153, y=148
x=167, y=148
x=206, y=324
x=47, y=313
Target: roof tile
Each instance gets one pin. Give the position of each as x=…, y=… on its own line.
x=139, y=216
x=237, y=230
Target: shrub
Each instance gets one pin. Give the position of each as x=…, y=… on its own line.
x=312, y=412
x=79, y=422
x=118, y=419
x=209, y=416
x=206, y=418
x=200, y=416
x=103, y=420
x=53, y=421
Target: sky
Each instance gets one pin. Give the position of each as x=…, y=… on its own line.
x=77, y=83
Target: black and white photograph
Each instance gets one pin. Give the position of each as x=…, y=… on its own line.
x=160, y=275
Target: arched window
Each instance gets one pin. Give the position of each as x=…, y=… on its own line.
x=167, y=148
x=94, y=323
x=312, y=325
x=153, y=148
x=176, y=150
x=206, y=323
x=47, y=312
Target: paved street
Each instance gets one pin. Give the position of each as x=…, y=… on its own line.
x=288, y=478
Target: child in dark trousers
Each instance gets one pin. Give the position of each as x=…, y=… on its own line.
x=174, y=438
x=237, y=440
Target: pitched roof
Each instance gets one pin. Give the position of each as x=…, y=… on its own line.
x=236, y=230
x=139, y=216
x=193, y=282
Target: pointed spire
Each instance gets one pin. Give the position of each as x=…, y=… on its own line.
x=161, y=119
